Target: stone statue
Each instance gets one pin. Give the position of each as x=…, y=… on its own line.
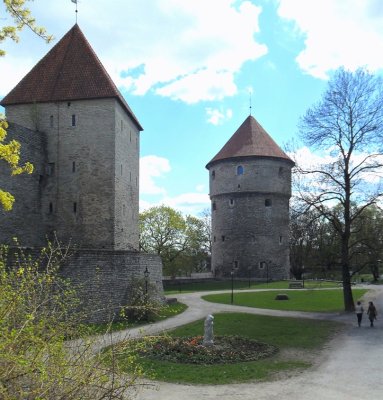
x=208, y=338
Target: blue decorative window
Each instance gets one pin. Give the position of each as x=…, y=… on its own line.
x=240, y=170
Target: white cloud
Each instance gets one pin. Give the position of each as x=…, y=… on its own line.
x=187, y=50
x=13, y=68
x=337, y=33
x=151, y=169
x=188, y=203
x=308, y=160
x=218, y=116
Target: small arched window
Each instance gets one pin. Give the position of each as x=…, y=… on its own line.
x=240, y=170
x=214, y=206
x=268, y=203
x=213, y=174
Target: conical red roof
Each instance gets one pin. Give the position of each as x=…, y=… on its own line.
x=70, y=71
x=248, y=141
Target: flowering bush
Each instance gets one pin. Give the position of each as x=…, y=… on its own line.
x=190, y=350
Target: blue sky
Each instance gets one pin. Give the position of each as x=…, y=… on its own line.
x=187, y=68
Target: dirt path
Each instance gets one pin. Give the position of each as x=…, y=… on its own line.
x=352, y=370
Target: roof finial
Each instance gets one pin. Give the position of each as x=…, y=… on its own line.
x=75, y=2
x=250, y=101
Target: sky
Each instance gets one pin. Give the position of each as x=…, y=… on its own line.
x=190, y=69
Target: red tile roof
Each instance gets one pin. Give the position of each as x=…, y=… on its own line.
x=70, y=71
x=248, y=141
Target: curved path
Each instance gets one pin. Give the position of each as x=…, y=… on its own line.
x=352, y=370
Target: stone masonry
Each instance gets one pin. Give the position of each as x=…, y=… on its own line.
x=250, y=188
x=84, y=141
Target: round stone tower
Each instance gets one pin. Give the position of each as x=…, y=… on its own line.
x=250, y=188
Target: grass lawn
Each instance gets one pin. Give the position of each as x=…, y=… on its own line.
x=299, y=300
x=165, y=312
x=297, y=340
x=238, y=285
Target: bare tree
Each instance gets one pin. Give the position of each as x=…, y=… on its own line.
x=348, y=124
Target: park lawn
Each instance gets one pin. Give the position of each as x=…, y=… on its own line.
x=299, y=300
x=165, y=312
x=301, y=337
x=239, y=285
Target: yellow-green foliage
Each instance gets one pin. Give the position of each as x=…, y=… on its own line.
x=10, y=153
x=22, y=17
x=37, y=317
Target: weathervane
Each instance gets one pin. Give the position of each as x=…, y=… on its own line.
x=250, y=101
x=75, y=2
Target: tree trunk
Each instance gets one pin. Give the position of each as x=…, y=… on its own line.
x=347, y=292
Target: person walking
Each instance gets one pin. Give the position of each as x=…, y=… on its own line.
x=359, y=312
x=372, y=313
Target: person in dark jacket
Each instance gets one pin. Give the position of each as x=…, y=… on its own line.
x=372, y=313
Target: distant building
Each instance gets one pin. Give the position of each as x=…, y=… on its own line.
x=250, y=188
x=83, y=139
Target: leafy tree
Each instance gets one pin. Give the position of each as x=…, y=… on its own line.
x=37, y=318
x=182, y=242
x=347, y=122
x=22, y=18
x=10, y=152
x=367, y=241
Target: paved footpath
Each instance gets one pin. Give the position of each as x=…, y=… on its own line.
x=353, y=369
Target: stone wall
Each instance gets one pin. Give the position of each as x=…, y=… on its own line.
x=87, y=178
x=24, y=220
x=105, y=278
x=250, y=217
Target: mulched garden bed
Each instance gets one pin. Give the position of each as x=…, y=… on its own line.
x=189, y=350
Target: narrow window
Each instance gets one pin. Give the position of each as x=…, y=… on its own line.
x=240, y=170
x=74, y=166
x=268, y=203
x=130, y=176
x=235, y=264
x=73, y=119
x=214, y=205
x=280, y=172
x=50, y=208
x=121, y=169
x=122, y=125
x=213, y=174
x=280, y=239
x=214, y=239
x=239, y=186
x=75, y=207
x=68, y=104
x=136, y=181
x=50, y=169
x=51, y=121
x=231, y=202
x=262, y=265
x=223, y=238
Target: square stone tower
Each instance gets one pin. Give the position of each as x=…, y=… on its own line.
x=83, y=139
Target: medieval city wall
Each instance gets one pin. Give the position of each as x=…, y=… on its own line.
x=105, y=279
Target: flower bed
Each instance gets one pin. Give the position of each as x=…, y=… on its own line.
x=189, y=350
